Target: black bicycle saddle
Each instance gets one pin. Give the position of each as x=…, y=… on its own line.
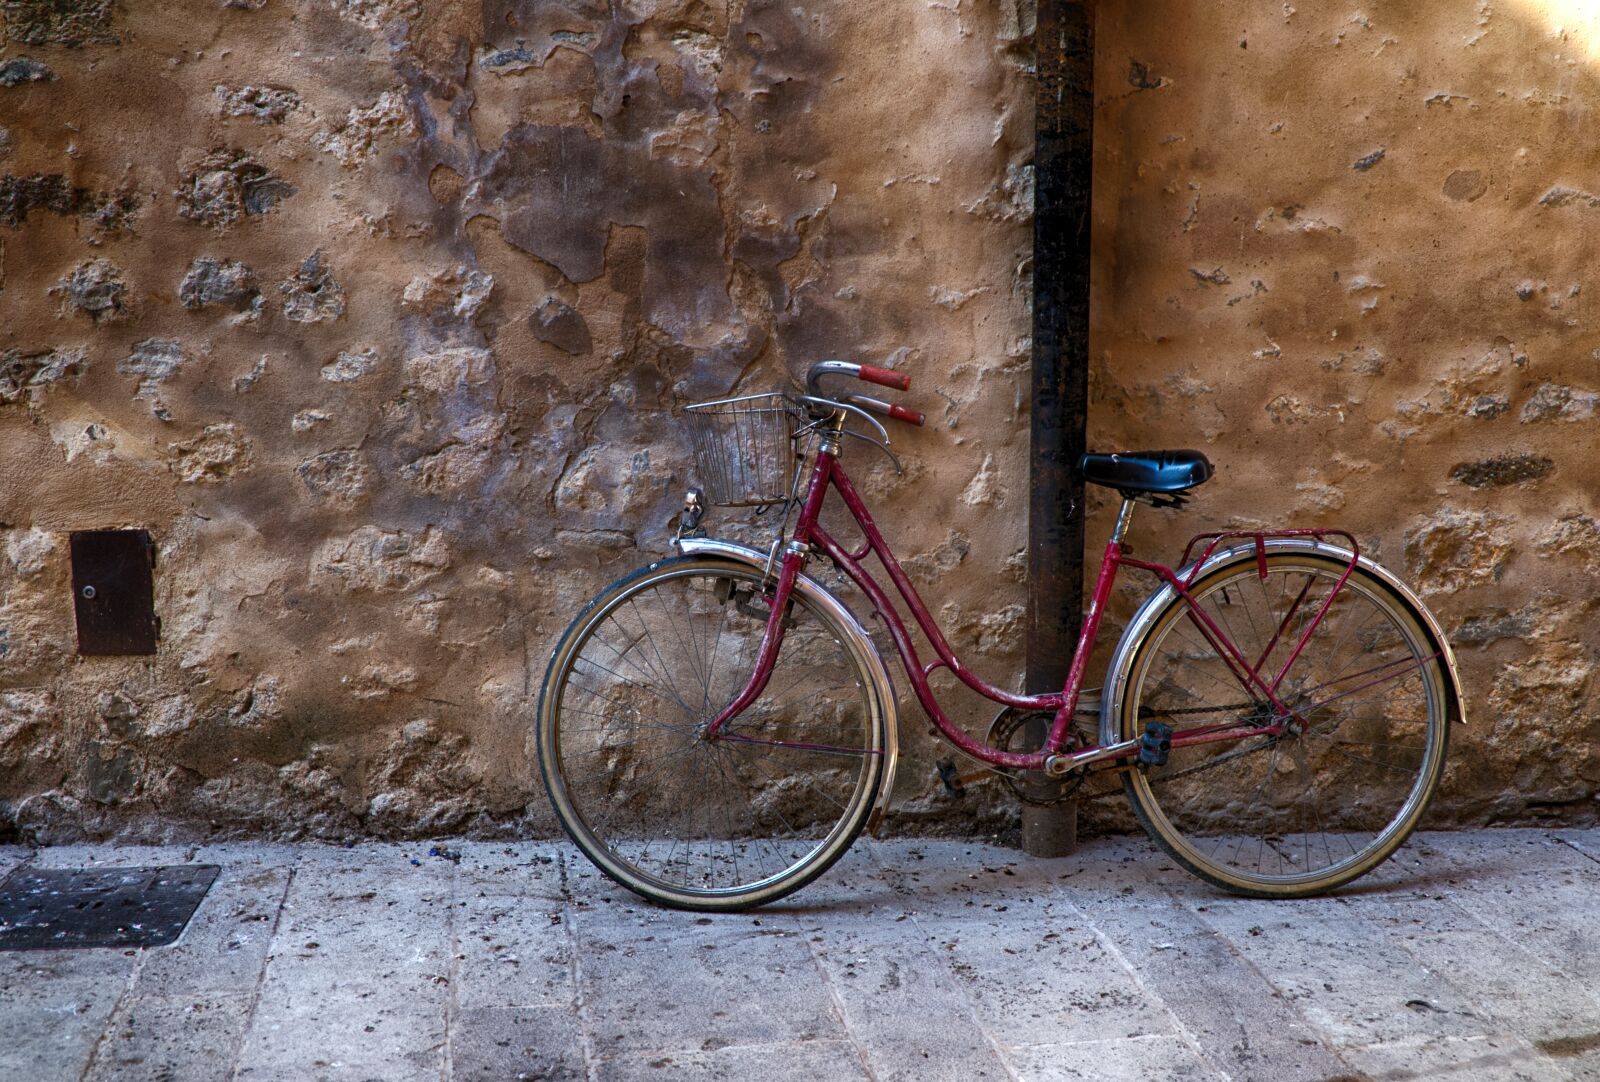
x=1146, y=471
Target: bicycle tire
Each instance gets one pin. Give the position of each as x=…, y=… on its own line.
x=1371, y=684
x=712, y=826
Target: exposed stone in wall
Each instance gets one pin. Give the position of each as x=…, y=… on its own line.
x=357, y=139
x=30, y=725
x=374, y=559
x=312, y=295
x=24, y=69
x=350, y=366
x=219, y=452
x=264, y=104
x=23, y=373
x=562, y=326
x=338, y=476
x=1502, y=470
x=95, y=289
x=216, y=281
x=51, y=192
x=154, y=361
x=59, y=22
x=1576, y=534
x=225, y=185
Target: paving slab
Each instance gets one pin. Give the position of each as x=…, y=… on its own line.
x=511, y=869
x=1049, y=983
x=835, y=1061
x=1240, y=1021
x=1326, y=964
x=1137, y=1059
x=54, y=1007
x=886, y=987
x=357, y=981
x=670, y=981
x=160, y=1038
x=1480, y=1059
x=494, y=1044
x=511, y=952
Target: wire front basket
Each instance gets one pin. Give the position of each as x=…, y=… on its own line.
x=744, y=448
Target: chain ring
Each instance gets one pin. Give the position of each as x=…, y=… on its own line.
x=1006, y=725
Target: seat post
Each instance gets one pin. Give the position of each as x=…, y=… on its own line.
x=1124, y=517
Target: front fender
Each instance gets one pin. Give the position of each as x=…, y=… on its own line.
x=1121, y=665
x=880, y=686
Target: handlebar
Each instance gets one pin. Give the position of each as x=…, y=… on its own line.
x=883, y=377
x=888, y=409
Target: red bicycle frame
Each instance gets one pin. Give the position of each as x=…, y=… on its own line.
x=809, y=535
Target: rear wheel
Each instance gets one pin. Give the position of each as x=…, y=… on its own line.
x=1341, y=788
x=717, y=824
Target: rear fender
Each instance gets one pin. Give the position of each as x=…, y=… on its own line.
x=1121, y=667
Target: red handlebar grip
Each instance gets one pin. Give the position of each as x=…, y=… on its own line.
x=886, y=377
x=900, y=413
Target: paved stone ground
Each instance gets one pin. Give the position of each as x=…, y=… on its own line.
x=1469, y=956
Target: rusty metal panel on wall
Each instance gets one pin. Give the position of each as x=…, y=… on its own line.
x=113, y=592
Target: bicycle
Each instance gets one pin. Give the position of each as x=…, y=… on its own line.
x=716, y=728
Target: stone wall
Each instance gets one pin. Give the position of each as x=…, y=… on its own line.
x=375, y=313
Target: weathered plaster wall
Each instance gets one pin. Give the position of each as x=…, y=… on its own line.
x=375, y=313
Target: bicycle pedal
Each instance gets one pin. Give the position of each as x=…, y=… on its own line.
x=948, y=775
x=1155, y=744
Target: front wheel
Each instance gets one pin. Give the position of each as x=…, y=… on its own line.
x=1332, y=794
x=696, y=823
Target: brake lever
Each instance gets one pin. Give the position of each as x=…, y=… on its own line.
x=882, y=445
x=847, y=407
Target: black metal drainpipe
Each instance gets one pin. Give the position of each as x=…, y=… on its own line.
x=1063, y=173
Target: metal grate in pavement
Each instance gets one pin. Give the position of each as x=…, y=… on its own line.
x=76, y=908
